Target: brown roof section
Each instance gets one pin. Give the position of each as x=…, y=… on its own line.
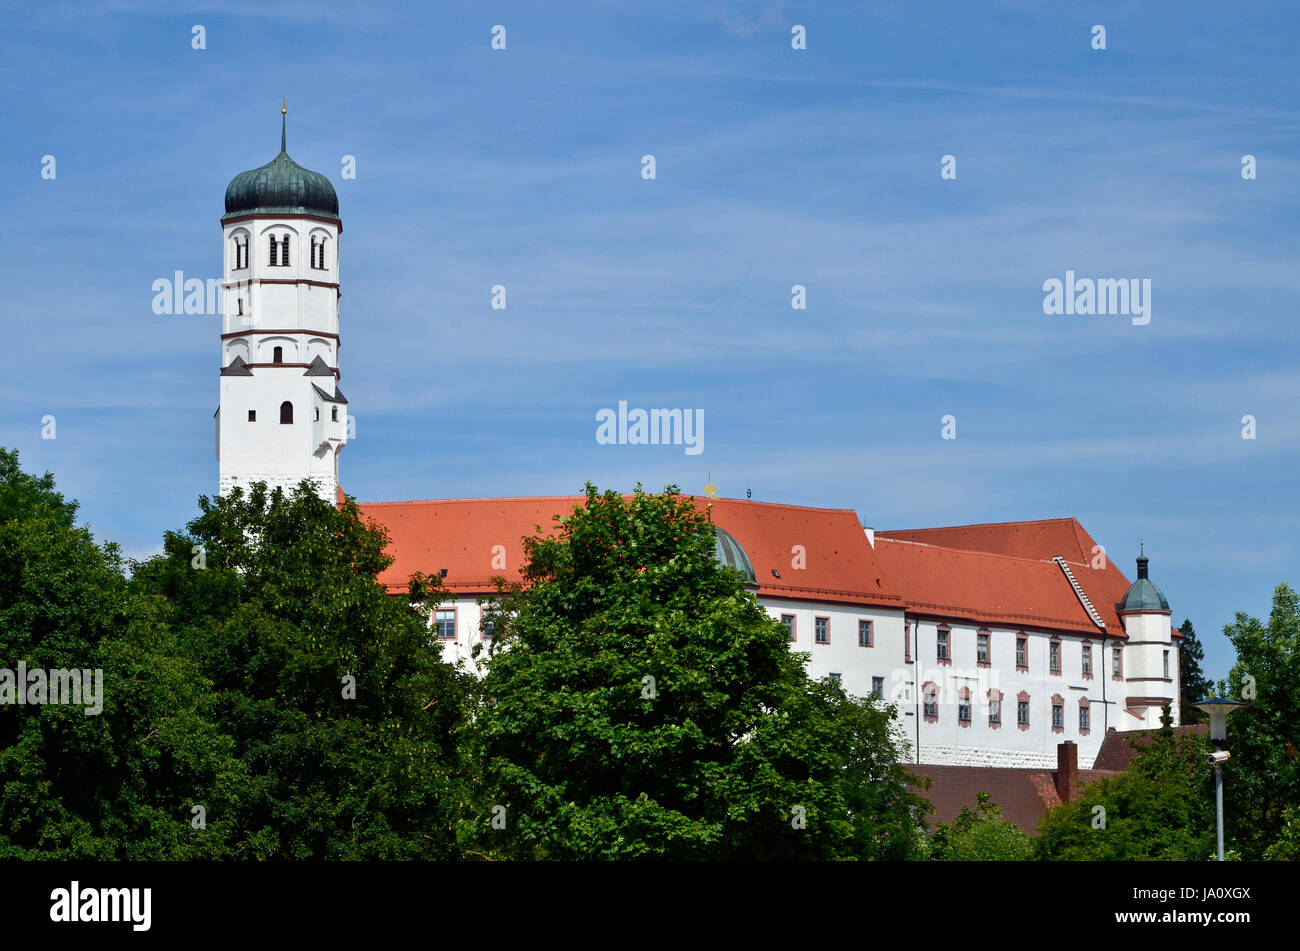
x=1023, y=795
x=1041, y=541
x=1118, y=750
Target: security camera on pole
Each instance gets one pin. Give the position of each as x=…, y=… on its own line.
x=1218, y=709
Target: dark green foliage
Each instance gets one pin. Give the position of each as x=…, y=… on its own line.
x=980, y=835
x=62, y=600
x=730, y=751
x=223, y=688
x=1193, y=683
x=1263, y=777
x=1161, y=807
x=287, y=607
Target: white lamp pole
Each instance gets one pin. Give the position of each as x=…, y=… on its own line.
x=1218, y=709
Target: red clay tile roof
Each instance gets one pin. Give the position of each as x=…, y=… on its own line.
x=1023, y=795
x=982, y=587
x=462, y=536
x=1041, y=541
x=1118, y=749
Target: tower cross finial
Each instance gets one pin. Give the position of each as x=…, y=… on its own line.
x=284, y=110
x=1142, y=548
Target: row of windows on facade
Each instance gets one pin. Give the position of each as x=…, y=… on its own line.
x=983, y=656
x=930, y=709
x=286, y=413
x=444, y=624
x=822, y=630
x=317, y=252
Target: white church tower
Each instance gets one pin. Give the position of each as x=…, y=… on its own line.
x=1150, y=662
x=282, y=417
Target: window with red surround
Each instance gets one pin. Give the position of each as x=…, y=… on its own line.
x=864, y=633
x=1116, y=663
x=907, y=642
x=1022, y=710
x=995, y=709
x=943, y=645
x=983, y=639
x=821, y=630
x=788, y=621
x=930, y=702
x=1058, y=713
x=963, y=706
x=1022, y=651
x=1087, y=660
x=444, y=624
x=1054, y=655
x=1085, y=716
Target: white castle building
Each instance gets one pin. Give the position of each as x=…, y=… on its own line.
x=997, y=642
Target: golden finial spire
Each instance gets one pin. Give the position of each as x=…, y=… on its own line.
x=284, y=105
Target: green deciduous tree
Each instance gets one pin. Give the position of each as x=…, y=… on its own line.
x=1161, y=807
x=641, y=703
x=62, y=599
x=1263, y=777
x=980, y=835
x=323, y=722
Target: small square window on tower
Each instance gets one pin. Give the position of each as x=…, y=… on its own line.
x=252, y=415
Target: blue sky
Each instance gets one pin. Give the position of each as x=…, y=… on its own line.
x=774, y=167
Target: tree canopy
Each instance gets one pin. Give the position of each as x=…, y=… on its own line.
x=641, y=703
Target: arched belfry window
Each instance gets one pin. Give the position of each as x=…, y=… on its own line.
x=277, y=356
x=284, y=252
x=286, y=412
x=273, y=244
x=322, y=253
x=334, y=413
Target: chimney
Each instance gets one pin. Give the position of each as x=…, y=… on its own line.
x=1067, y=771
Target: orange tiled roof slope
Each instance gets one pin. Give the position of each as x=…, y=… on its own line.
x=463, y=535
x=982, y=587
x=1041, y=541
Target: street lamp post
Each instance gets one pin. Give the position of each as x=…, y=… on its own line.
x=1218, y=709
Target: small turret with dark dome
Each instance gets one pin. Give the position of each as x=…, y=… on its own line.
x=1142, y=594
x=281, y=186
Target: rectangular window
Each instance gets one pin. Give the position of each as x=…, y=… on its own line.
x=963, y=710
x=864, y=633
x=1083, y=719
x=1166, y=665
x=982, y=648
x=878, y=687
x=995, y=711
x=788, y=621
x=1054, y=656
x=445, y=624
x=1058, y=716
x=943, y=645
x=489, y=624
x=907, y=642
x=1116, y=668
x=1022, y=653
x=822, y=630
x=1087, y=661
x=252, y=415
x=931, y=706
x=835, y=678
x=1022, y=712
